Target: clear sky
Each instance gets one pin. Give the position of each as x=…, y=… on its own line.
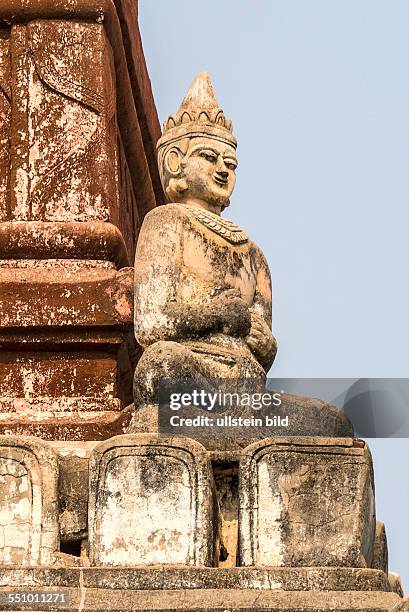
x=318, y=92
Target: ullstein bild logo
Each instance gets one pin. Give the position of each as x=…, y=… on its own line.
x=228, y=421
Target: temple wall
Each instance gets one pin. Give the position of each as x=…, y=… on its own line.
x=77, y=175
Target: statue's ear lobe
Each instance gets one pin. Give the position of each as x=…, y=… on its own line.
x=172, y=161
x=176, y=188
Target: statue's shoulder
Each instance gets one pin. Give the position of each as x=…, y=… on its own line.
x=166, y=212
x=258, y=256
x=166, y=219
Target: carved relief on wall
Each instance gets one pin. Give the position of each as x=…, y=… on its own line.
x=64, y=165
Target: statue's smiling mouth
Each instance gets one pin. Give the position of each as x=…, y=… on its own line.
x=220, y=180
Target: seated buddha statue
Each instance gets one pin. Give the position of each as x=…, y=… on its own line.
x=203, y=303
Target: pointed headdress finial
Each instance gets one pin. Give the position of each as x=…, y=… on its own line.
x=198, y=115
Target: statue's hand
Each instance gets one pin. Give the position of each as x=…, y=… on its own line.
x=261, y=341
x=234, y=313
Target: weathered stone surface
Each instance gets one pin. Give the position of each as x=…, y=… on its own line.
x=49, y=421
x=395, y=583
x=5, y=119
x=142, y=92
x=37, y=240
x=73, y=484
x=65, y=295
x=63, y=138
x=306, y=417
x=28, y=502
x=306, y=501
x=152, y=501
x=220, y=600
x=70, y=209
x=63, y=365
x=134, y=107
x=191, y=578
x=310, y=416
x=380, y=550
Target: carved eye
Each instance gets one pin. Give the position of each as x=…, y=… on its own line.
x=211, y=157
x=230, y=164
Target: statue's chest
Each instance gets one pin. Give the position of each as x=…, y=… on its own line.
x=211, y=261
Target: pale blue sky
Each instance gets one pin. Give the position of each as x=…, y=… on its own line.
x=318, y=92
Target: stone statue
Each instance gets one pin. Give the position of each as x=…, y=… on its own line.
x=202, y=287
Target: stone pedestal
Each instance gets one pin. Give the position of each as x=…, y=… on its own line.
x=307, y=502
x=152, y=502
x=206, y=589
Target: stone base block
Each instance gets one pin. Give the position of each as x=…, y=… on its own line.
x=171, y=578
x=171, y=589
x=219, y=600
x=28, y=502
x=152, y=501
x=306, y=502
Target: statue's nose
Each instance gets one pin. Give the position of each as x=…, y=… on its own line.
x=223, y=174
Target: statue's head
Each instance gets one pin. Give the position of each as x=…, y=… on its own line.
x=197, y=152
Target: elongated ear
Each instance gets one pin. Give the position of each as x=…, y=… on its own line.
x=172, y=162
x=176, y=188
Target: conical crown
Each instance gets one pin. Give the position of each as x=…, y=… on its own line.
x=199, y=114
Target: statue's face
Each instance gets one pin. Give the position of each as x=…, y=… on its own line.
x=209, y=170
